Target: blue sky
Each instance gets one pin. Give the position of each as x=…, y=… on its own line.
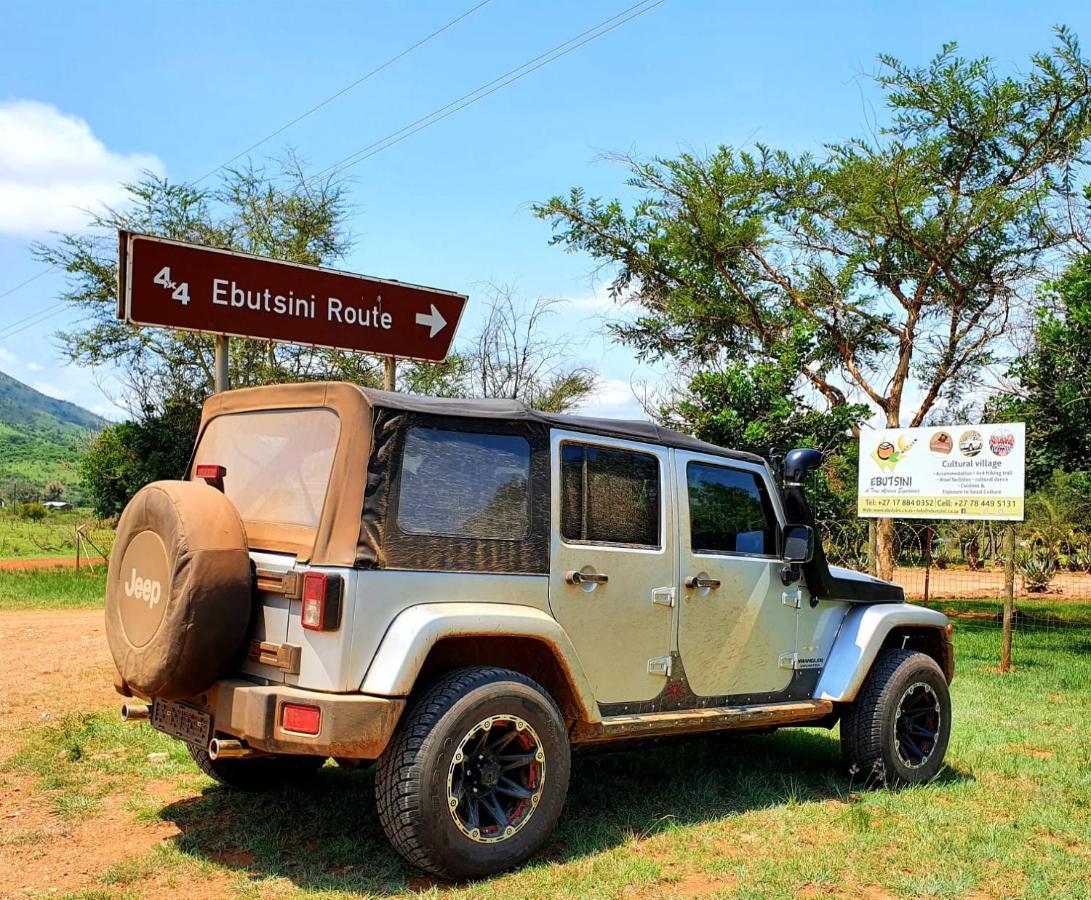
x=91, y=92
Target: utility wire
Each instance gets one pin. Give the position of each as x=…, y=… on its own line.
x=379, y=68
x=480, y=93
x=348, y=87
x=490, y=87
x=21, y=284
x=39, y=317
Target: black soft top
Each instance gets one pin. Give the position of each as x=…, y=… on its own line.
x=517, y=411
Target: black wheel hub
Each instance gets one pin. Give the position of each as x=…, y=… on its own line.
x=495, y=780
x=917, y=724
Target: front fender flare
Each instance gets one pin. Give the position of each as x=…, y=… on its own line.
x=407, y=642
x=859, y=640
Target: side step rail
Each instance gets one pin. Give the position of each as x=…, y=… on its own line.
x=722, y=718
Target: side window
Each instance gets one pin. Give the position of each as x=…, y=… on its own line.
x=609, y=496
x=729, y=511
x=466, y=485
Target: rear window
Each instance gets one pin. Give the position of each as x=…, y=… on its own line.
x=464, y=484
x=278, y=462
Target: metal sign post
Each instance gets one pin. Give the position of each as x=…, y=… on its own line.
x=223, y=380
x=172, y=284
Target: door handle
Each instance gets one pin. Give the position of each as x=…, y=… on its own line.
x=586, y=578
x=693, y=582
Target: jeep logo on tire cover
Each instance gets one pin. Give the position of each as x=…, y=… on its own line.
x=144, y=587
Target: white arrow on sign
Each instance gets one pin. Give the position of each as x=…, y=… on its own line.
x=434, y=321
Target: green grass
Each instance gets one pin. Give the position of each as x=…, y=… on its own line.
x=53, y=589
x=54, y=536
x=746, y=816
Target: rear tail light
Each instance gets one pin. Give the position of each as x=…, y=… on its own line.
x=300, y=719
x=321, y=601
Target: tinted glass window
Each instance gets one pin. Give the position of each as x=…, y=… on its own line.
x=465, y=485
x=730, y=512
x=609, y=496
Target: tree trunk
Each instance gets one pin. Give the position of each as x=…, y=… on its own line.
x=885, y=539
x=885, y=527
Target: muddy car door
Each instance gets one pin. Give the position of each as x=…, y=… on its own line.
x=737, y=620
x=612, y=561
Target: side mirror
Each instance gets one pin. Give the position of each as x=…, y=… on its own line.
x=798, y=544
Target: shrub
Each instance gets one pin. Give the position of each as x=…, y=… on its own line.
x=1037, y=569
x=33, y=511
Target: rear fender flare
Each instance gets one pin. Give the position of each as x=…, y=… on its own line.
x=859, y=641
x=415, y=631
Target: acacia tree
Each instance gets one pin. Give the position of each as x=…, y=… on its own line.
x=883, y=262
x=277, y=212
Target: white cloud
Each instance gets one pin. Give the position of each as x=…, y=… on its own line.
x=52, y=168
x=613, y=399
x=7, y=357
x=33, y=366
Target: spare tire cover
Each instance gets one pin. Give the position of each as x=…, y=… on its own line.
x=178, y=589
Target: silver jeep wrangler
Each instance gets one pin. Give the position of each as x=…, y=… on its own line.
x=465, y=591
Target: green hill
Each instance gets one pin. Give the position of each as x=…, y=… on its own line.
x=41, y=438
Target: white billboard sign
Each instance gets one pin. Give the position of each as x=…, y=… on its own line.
x=943, y=472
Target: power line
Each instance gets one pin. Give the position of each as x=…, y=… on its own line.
x=480, y=93
x=22, y=284
x=39, y=317
x=501, y=81
x=346, y=88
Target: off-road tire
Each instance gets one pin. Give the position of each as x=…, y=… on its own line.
x=411, y=779
x=261, y=773
x=868, y=731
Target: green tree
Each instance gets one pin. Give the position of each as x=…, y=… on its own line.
x=882, y=261
x=122, y=458
x=1050, y=389
x=33, y=512
x=278, y=212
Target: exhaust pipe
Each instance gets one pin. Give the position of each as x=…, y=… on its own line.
x=229, y=748
x=135, y=712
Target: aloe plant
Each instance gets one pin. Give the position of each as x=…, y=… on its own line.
x=1037, y=568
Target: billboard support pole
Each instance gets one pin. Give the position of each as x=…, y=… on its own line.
x=223, y=381
x=1009, y=596
x=390, y=371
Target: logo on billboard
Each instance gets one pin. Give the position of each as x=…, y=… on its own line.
x=969, y=444
x=1001, y=443
x=888, y=454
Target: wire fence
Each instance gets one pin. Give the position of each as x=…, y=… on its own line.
x=959, y=568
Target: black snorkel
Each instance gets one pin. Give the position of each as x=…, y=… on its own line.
x=822, y=583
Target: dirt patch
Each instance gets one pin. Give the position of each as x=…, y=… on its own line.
x=55, y=662
x=25, y=565
x=61, y=857
x=960, y=583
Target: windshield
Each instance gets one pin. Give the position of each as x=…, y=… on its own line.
x=278, y=462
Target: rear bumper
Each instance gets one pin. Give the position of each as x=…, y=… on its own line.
x=352, y=726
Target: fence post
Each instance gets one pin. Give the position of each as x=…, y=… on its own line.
x=872, y=548
x=77, y=549
x=1009, y=596
x=927, y=559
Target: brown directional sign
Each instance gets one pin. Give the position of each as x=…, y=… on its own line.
x=187, y=286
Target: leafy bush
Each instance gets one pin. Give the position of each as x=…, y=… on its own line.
x=33, y=511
